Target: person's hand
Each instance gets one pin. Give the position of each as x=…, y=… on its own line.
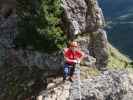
x=85, y=55
x=75, y=61
x=78, y=61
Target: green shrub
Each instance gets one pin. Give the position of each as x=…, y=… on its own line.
x=38, y=25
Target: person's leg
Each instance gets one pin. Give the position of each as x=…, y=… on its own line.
x=72, y=69
x=66, y=71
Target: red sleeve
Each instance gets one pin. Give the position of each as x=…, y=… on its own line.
x=66, y=53
x=80, y=54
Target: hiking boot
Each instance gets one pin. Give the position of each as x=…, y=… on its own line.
x=70, y=79
x=65, y=78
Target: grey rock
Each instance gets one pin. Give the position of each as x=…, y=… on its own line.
x=78, y=11
x=23, y=57
x=56, y=92
x=33, y=58
x=8, y=31
x=100, y=50
x=84, y=18
x=111, y=85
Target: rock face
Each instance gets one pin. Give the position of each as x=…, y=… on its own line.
x=110, y=85
x=85, y=17
x=32, y=65
x=99, y=48
x=56, y=91
x=22, y=57
x=81, y=17
x=89, y=20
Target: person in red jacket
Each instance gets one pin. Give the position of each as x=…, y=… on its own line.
x=72, y=55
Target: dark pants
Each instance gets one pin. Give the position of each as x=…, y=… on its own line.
x=68, y=70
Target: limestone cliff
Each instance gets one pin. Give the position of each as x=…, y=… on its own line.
x=110, y=85
x=24, y=72
x=86, y=17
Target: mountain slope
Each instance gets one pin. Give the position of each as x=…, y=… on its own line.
x=26, y=70
x=119, y=16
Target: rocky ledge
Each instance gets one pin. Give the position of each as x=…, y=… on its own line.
x=109, y=85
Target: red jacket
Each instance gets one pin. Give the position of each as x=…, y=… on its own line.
x=72, y=55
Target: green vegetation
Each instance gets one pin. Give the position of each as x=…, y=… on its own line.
x=117, y=60
x=87, y=72
x=38, y=25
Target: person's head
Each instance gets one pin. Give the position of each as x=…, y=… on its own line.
x=73, y=45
